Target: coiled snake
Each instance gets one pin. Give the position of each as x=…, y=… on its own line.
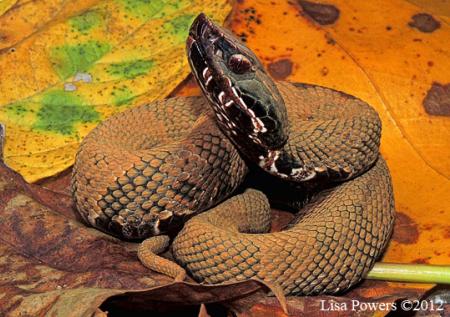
x=143, y=172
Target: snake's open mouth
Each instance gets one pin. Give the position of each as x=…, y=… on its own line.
x=247, y=105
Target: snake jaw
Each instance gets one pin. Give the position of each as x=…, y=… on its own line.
x=268, y=162
x=273, y=163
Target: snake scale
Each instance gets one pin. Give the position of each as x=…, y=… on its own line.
x=146, y=171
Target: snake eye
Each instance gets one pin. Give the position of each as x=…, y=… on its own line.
x=239, y=64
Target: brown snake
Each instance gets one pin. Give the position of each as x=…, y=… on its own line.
x=143, y=172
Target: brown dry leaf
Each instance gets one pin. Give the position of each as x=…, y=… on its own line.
x=51, y=264
x=355, y=302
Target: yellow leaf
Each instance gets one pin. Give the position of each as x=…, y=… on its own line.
x=65, y=66
x=394, y=55
x=5, y=5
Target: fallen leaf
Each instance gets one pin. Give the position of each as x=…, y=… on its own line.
x=5, y=5
x=52, y=264
x=352, y=303
x=371, y=52
x=65, y=66
x=436, y=7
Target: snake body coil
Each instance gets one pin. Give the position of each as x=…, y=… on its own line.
x=143, y=171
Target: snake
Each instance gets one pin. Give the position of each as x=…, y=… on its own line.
x=173, y=171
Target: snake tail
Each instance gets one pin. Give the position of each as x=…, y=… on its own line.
x=148, y=255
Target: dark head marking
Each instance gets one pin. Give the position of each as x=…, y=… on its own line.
x=247, y=104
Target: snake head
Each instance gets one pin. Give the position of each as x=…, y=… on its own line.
x=248, y=107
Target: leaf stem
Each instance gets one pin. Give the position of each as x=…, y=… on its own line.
x=413, y=273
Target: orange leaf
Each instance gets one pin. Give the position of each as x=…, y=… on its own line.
x=384, y=54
